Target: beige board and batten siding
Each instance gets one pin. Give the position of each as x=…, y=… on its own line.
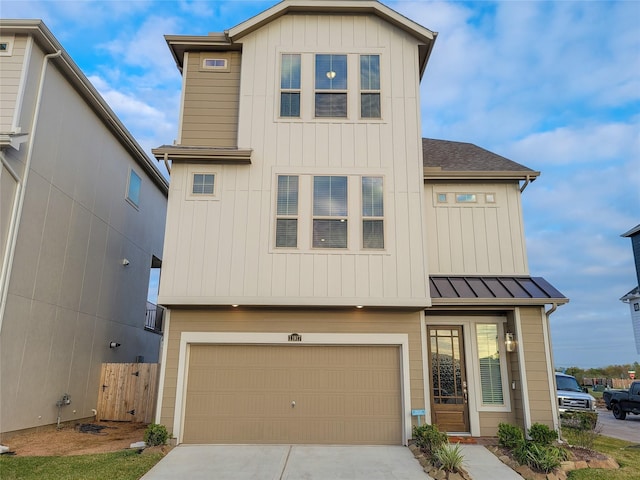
x=244, y=267
x=210, y=101
x=476, y=238
x=536, y=367
x=290, y=321
x=11, y=76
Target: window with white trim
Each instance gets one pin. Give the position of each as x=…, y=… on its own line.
x=203, y=184
x=290, y=85
x=372, y=212
x=489, y=364
x=330, y=212
x=331, y=85
x=287, y=212
x=370, y=86
x=133, y=188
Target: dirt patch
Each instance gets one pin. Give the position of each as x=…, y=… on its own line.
x=69, y=440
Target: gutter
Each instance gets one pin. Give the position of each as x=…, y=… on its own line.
x=22, y=186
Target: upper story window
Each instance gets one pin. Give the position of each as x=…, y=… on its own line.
x=6, y=45
x=290, y=85
x=370, y=86
x=287, y=211
x=331, y=86
x=133, y=188
x=372, y=213
x=203, y=184
x=330, y=211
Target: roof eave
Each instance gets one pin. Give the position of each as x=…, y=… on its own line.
x=203, y=155
x=632, y=232
x=497, y=301
x=333, y=7
x=436, y=173
x=179, y=44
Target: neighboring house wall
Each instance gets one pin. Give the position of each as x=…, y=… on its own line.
x=245, y=267
x=69, y=293
x=483, y=236
x=12, y=65
x=210, y=100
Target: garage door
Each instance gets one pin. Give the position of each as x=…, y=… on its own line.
x=293, y=394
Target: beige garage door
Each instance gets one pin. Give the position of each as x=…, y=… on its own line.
x=246, y=394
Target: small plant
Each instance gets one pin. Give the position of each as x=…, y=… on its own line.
x=449, y=457
x=542, y=435
x=429, y=438
x=510, y=436
x=544, y=457
x=155, y=434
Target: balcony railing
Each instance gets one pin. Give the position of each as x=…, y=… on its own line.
x=154, y=318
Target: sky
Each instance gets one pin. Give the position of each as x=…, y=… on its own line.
x=554, y=86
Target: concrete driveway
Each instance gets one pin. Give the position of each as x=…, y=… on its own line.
x=628, y=429
x=280, y=462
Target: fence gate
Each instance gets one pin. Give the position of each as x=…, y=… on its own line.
x=127, y=392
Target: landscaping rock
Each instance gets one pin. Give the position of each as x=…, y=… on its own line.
x=138, y=445
x=3, y=449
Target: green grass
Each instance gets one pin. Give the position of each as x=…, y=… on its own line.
x=627, y=456
x=124, y=465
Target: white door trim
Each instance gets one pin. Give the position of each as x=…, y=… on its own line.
x=189, y=338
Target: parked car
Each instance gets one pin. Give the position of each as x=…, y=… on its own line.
x=621, y=402
x=572, y=397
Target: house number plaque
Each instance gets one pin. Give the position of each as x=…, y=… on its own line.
x=295, y=337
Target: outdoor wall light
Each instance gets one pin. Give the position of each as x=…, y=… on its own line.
x=114, y=344
x=510, y=342
x=125, y=262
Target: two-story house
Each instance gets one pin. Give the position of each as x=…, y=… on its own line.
x=330, y=276
x=82, y=211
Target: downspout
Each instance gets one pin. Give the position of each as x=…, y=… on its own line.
x=551, y=372
x=166, y=163
x=17, y=212
x=524, y=185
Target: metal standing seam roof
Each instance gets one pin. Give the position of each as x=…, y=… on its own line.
x=517, y=289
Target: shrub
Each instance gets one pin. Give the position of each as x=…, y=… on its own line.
x=429, y=438
x=449, y=457
x=542, y=434
x=579, y=420
x=510, y=436
x=155, y=434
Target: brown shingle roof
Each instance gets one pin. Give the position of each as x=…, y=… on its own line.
x=447, y=156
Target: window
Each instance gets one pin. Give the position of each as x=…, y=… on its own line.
x=287, y=211
x=290, y=86
x=214, y=63
x=331, y=86
x=203, y=184
x=442, y=198
x=6, y=45
x=466, y=198
x=490, y=198
x=330, y=212
x=133, y=189
x=489, y=359
x=370, y=86
x=372, y=213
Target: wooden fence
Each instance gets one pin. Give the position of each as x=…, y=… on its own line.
x=615, y=383
x=127, y=392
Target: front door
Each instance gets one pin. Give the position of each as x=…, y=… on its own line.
x=449, y=405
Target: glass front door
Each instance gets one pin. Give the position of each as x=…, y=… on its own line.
x=449, y=395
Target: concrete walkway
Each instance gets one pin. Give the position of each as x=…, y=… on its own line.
x=484, y=465
x=292, y=462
